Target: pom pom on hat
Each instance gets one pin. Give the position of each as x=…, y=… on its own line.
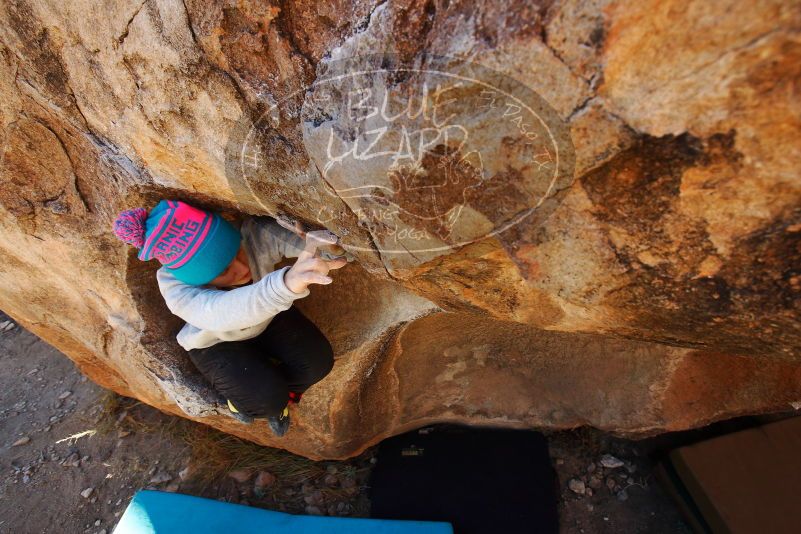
x=130, y=226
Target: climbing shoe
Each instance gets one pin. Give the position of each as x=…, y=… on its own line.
x=239, y=416
x=279, y=424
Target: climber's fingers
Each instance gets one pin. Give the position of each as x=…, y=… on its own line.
x=323, y=238
x=310, y=268
x=309, y=251
x=337, y=263
x=317, y=278
x=319, y=265
x=334, y=250
x=314, y=240
x=313, y=277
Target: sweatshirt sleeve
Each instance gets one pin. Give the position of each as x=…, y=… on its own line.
x=280, y=242
x=218, y=310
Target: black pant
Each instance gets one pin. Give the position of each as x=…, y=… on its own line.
x=258, y=375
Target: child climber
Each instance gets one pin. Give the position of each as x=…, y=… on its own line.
x=241, y=331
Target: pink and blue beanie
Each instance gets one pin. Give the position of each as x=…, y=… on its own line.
x=192, y=244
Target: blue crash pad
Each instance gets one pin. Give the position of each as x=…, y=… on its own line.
x=157, y=512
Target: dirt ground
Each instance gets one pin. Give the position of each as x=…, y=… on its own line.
x=72, y=455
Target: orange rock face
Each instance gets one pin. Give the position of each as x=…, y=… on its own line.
x=574, y=213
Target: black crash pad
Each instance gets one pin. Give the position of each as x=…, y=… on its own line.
x=480, y=480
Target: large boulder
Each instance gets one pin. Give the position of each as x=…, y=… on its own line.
x=604, y=229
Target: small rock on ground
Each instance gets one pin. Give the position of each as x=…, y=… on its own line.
x=241, y=475
x=264, y=479
x=610, y=462
x=576, y=486
x=161, y=478
x=186, y=472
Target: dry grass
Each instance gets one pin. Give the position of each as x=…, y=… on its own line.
x=112, y=406
x=131, y=415
x=214, y=454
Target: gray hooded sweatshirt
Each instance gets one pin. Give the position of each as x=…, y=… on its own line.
x=213, y=315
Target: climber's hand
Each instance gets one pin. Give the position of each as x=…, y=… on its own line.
x=309, y=267
x=334, y=250
x=298, y=229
